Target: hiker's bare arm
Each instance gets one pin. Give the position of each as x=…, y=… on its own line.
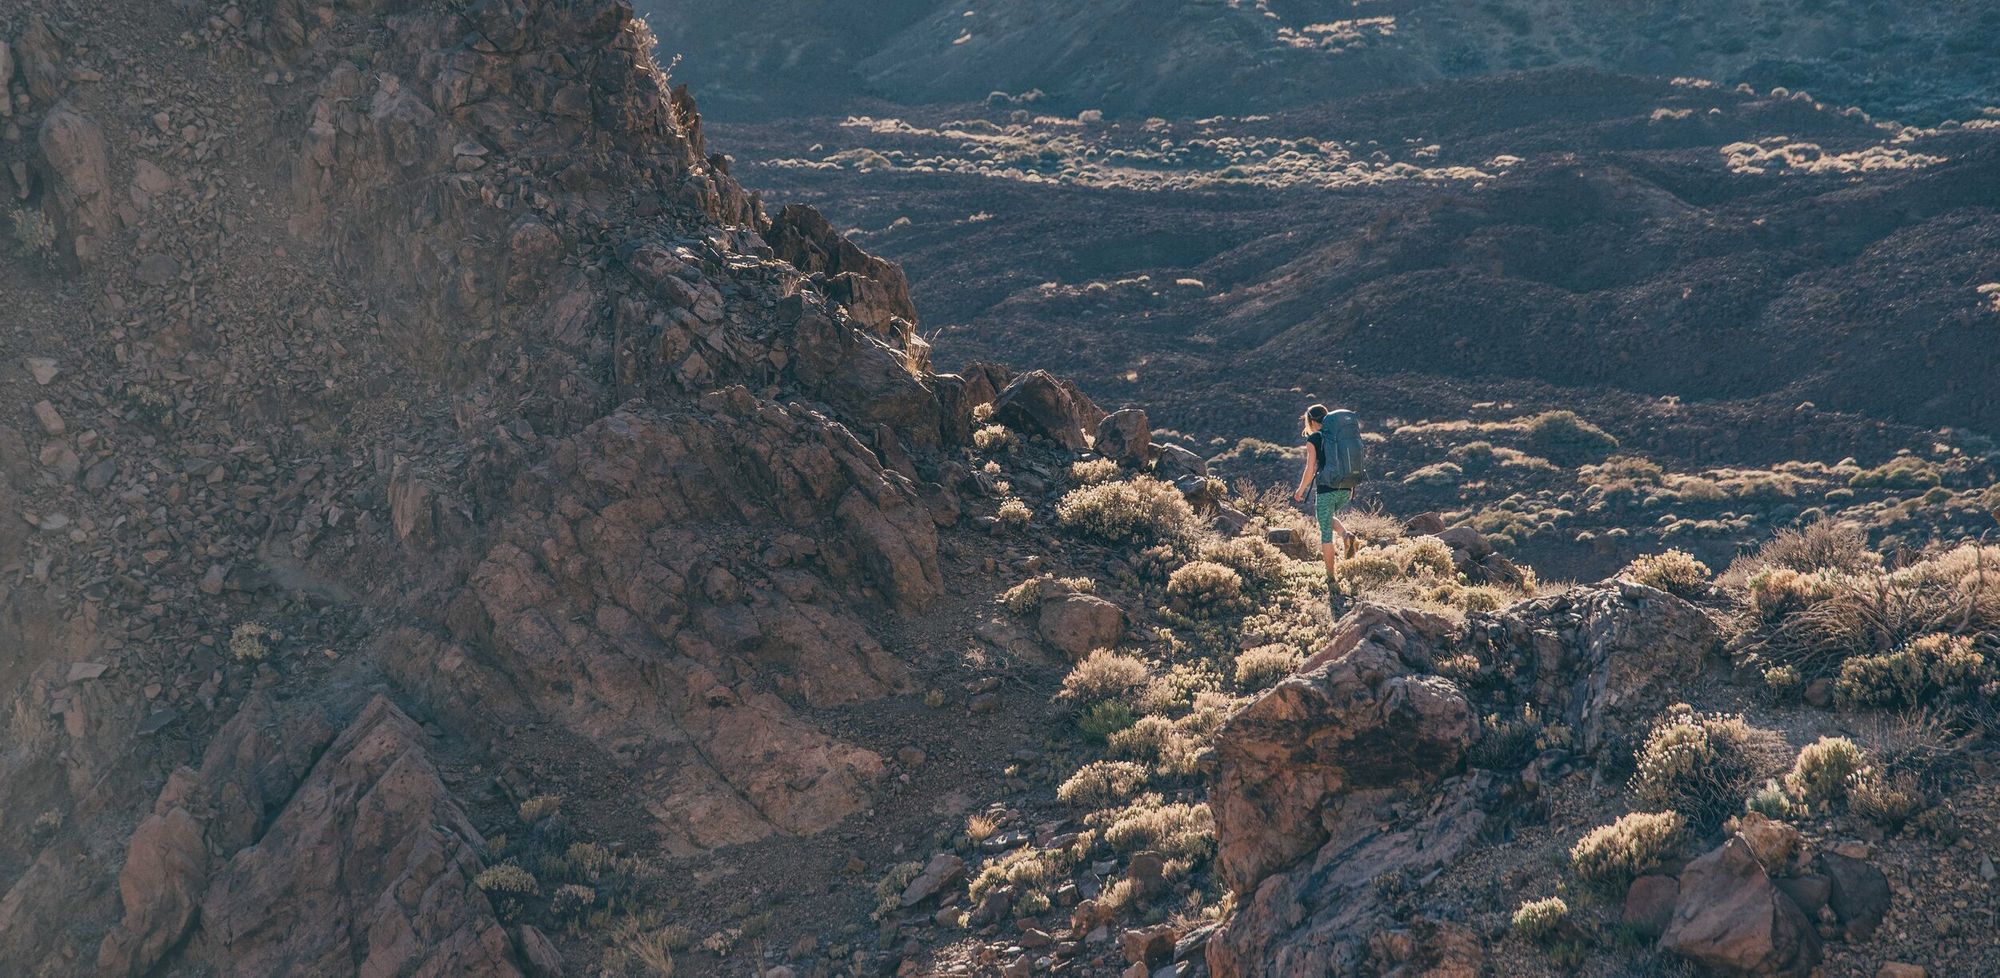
x=1305, y=478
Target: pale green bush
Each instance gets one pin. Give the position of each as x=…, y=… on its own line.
x=1611, y=856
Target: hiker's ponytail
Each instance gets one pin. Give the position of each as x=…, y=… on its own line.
x=1314, y=415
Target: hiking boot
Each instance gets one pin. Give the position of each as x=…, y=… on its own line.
x=1336, y=603
x=1353, y=546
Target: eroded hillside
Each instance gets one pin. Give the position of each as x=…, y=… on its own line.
x=449, y=526
x=1919, y=63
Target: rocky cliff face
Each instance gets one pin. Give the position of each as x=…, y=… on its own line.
x=420, y=354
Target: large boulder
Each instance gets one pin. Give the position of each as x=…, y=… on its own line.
x=1078, y=624
x=1036, y=403
x=1730, y=916
x=1125, y=437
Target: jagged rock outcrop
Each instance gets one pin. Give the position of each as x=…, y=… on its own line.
x=293, y=850
x=201, y=818
x=1038, y=403
x=1352, y=769
x=1601, y=658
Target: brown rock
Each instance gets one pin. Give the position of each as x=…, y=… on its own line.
x=1149, y=946
x=1080, y=623
x=1125, y=437
x=1424, y=524
x=1730, y=916
x=80, y=170
x=1819, y=692
x=1649, y=904
x=942, y=870
x=375, y=799
x=1897, y=969
x=1859, y=894
x=1775, y=844
x=1036, y=403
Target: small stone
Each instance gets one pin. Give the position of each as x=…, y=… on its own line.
x=81, y=671
x=910, y=757
x=211, y=582
x=51, y=420
x=1897, y=969
x=43, y=370
x=984, y=703
x=1819, y=692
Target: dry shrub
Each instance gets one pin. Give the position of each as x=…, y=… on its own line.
x=1822, y=772
x=1185, y=831
x=1777, y=593
x=1265, y=666
x=1102, y=783
x=1821, y=545
x=1139, y=510
x=1367, y=571
x=1701, y=765
x=1875, y=613
x=1260, y=563
x=1373, y=527
x=1014, y=514
x=1027, y=870
x=1425, y=556
x=1103, y=675
x=1614, y=855
x=1675, y=572
x=1094, y=471
x=1538, y=920
x=1439, y=474
x=507, y=878
x=1157, y=741
x=994, y=439
x=1563, y=432
x=1931, y=670
x=1203, y=588
x=1887, y=800
x=1901, y=472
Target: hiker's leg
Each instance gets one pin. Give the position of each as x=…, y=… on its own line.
x=1330, y=552
x=1325, y=504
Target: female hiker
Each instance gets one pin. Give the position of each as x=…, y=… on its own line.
x=1333, y=469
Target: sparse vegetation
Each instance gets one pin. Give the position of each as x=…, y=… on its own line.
x=1565, y=433
x=994, y=439
x=1611, y=856
x=1701, y=765
x=1822, y=772
x=1014, y=514
x=1204, y=588
x=1103, y=675
x=251, y=642
x=1178, y=830
x=1675, y=572
x=1138, y=510
x=1931, y=670
x=1094, y=471
x=1539, y=920
x=1265, y=666
x=1102, y=783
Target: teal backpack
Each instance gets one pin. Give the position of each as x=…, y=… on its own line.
x=1342, y=453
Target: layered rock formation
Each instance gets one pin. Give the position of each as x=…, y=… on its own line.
x=1353, y=771
x=479, y=384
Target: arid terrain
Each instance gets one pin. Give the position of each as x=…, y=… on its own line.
x=462, y=515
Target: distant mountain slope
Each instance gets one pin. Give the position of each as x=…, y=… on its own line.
x=1916, y=62
x=1591, y=232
